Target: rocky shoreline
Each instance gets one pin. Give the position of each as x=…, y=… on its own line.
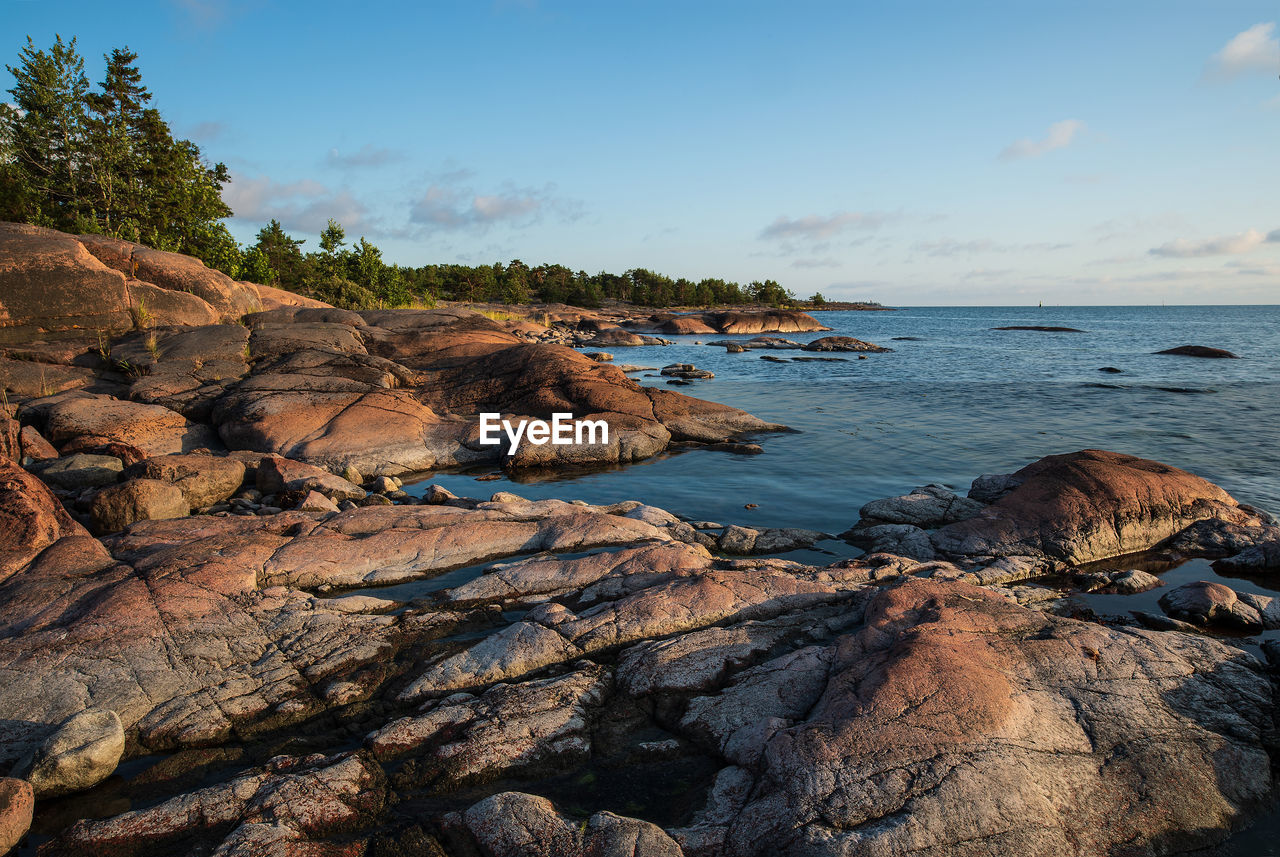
x=229, y=630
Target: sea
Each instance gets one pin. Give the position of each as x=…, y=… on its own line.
x=954, y=399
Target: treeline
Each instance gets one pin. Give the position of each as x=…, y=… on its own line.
x=100, y=160
x=86, y=160
x=357, y=277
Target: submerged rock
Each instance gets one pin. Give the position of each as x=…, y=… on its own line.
x=1198, y=351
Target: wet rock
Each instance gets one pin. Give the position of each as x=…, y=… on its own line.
x=1262, y=557
x=927, y=507
x=739, y=540
x=686, y=371
x=903, y=539
x=1040, y=328
x=79, y=470
x=513, y=824
x=1133, y=581
x=437, y=494
x=1087, y=506
x=733, y=348
x=17, y=803
x=990, y=487
x=203, y=479
x=1111, y=370
x=1208, y=604
x=118, y=506
x=1198, y=351
x=844, y=343
x=952, y=696
x=599, y=356
x=82, y=752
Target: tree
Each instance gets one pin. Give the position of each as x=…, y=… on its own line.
x=281, y=261
x=818, y=299
x=83, y=161
x=45, y=130
x=115, y=134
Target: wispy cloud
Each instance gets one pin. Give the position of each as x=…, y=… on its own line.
x=367, y=155
x=815, y=227
x=449, y=206
x=817, y=263
x=304, y=205
x=1255, y=49
x=949, y=247
x=1225, y=245
x=1060, y=135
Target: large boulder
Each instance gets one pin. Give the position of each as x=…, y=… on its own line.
x=82, y=752
x=844, y=343
x=55, y=285
x=51, y=286
x=202, y=479
x=154, y=429
x=176, y=273
x=1090, y=505
x=276, y=474
x=957, y=722
x=118, y=506
x=769, y=321
x=398, y=391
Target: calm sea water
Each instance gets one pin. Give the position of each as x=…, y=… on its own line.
x=959, y=401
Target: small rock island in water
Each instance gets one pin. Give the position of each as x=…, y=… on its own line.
x=228, y=629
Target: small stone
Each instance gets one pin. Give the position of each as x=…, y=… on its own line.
x=383, y=484
x=352, y=475
x=435, y=495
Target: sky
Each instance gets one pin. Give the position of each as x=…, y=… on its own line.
x=914, y=153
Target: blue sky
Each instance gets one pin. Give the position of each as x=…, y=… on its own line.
x=912, y=153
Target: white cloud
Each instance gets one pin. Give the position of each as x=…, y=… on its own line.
x=1060, y=135
x=815, y=227
x=1256, y=49
x=949, y=247
x=1224, y=245
x=305, y=205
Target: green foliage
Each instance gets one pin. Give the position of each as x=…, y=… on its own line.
x=818, y=299
x=103, y=161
